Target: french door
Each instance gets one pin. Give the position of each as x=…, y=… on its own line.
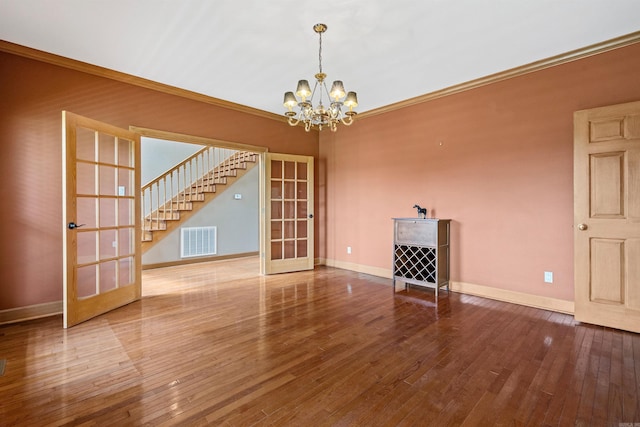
x=101, y=214
x=288, y=224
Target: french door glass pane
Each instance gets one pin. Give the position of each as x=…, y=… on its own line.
x=125, y=182
x=107, y=212
x=126, y=212
x=289, y=190
x=302, y=190
x=126, y=241
x=302, y=248
x=276, y=210
x=276, y=190
x=289, y=210
x=127, y=271
x=276, y=230
x=289, y=170
x=85, y=144
x=289, y=230
x=108, y=244
x=289, y=249
x=302, y=171
x=301, y=229
x=276, y=169
x=108, y=181
x=87, y=278
x=86, y=178
x=108, y=278
x=86, y=246
x=86, y=211
x=302, y=210
x=107, y=144
x=276, y=250
x=125, y=152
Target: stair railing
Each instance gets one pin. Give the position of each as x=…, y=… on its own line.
x=184, y=182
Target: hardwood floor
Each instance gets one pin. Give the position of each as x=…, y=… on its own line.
x=217, y=344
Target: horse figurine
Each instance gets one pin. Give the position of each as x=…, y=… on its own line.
x=422, y=212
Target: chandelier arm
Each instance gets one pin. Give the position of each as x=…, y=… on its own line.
x=293, y=121
x=348, y=121
x=313, y=92
x=324, y=86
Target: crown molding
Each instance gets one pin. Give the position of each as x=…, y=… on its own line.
x=553, y=61
x=96, y=70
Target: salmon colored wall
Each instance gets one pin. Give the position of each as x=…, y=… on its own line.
x=497, y=160
x=32, y=96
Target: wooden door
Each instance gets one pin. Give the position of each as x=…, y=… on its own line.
x=101, y=214
x=607, y=216
x=288, y=221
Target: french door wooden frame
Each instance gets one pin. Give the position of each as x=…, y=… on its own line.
x=288, y=219
x=101, y=218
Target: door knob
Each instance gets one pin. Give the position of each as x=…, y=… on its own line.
x=73, y=225
x=582, y=227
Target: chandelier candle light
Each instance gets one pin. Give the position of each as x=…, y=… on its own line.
x=320, y=116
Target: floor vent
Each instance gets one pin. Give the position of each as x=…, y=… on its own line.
x=3, y=363
x=197, y=241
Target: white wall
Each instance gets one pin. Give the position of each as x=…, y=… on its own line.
x=158, y=156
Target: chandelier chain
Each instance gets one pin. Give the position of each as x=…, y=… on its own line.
x=320, y=53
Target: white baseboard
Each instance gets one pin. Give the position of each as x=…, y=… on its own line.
x=198, y=259
x=366, y=269
x=545, y=303
x=521, y=298
x=30, y=312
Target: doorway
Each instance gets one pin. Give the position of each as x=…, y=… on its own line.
x=217, y=219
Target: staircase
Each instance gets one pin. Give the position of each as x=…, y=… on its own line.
x=176, y=195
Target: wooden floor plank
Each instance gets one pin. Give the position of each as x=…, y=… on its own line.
x=218, y=344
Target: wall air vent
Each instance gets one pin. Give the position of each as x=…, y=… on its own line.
x=197, y=241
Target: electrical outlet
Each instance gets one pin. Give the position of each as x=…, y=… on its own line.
x=348, y=249
x=548, y=277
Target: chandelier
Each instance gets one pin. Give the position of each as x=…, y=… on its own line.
x=320, y=115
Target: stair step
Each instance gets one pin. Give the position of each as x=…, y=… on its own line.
x=246, y=157
x=189, y=198
x=182, y=205
x=207, y=188
x=232, y=166
x=165, y=215
x=213, y=180
x=154, y=225
x=227, y=171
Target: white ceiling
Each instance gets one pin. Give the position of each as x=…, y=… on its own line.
x=252, y=51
